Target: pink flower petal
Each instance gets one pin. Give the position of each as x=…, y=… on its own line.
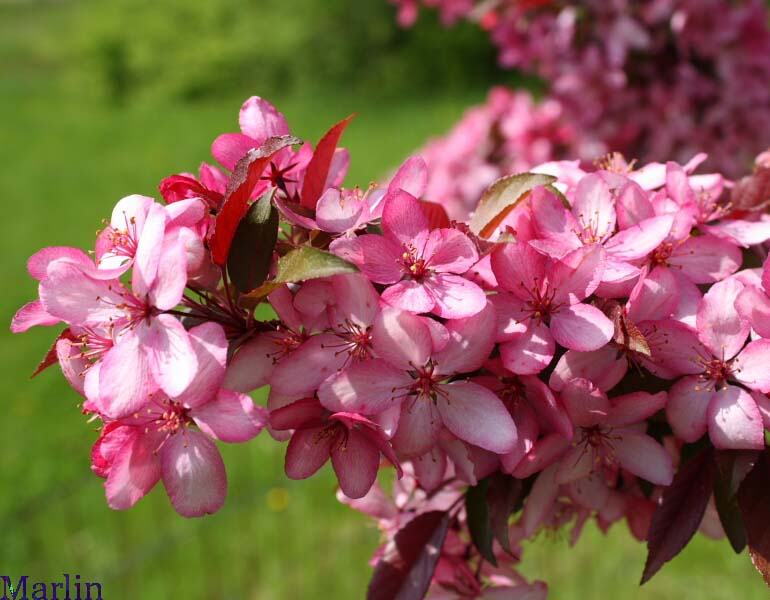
x=252, y=364
x=125, y=382
x=209, y=343
x=450, y=251
x=37, y=265
x=193, y=474
x=260, y=120
x=409, y=295
x=754, y=306
x=581, y=327
x=430, y=469
x=336, y=212
x=302, y=371
x=540, y=501
x=594, y=206
x=231, y=417
x=402, y=217
x=477, y=416
x=577, y=463
x=686, y=411
x=643, y=456
x=368, y=388
x=752, y=366
x=554, y=222
x=381, y=258
x=528, y=352
x=31, y=315
x=720, y=327
x=604, y=367
x=229, y=148
x=639, y=240
x=585, y=403
x=706, y=259
x=170, y=354
x=578, y=274
x=546, y=451
x=401, y=338
x=356, y=463
x=73, y=364
x=655, y=296
x=519, y=268
x=635, y=408
x=418, y=427
x=149, y=251
x=171, y=278
x=675, y=347
x=469, y=344
x=134, y=472
x=455, y=297
x=412, y=177
x=633, y=206
x=734, y=421
x=307, y=452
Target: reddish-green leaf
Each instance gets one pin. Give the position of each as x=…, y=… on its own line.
x=503, y=496
x=251, y=251
x=754, y=502
x=51, y=358
x=405, y=571
x=479, y=521
x=681, y=511
x=501, y=198
x=436, y=215
x=318, y=168
x=732, y=468
x=244, y=179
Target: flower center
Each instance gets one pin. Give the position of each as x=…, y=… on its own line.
x=413, y=263
x=356, y=340
x=541, y=304
x=599, y=441
x=716, y=370
x=662, y=253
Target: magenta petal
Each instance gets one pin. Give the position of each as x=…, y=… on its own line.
x=418, y=427
x=336, y=212
x=519, y=268
x=252, y=364
x=632, y=205
x=635, y=408
x=594, y=206
x=135, y=470
x=307, y=452
x=381, y=258
x=231, y=417
x=401, y=338
x=675, y=347
x=577, y=463
x=469, y=345
x=259, y=120
x=356, y=300
x=209, y=343
x=720, y=327
x=430, y=469
x=577, y=275
x=193, y=474
x=554, y=222
x=754, y=306
x=170, y=354
x=368, y=388
x=409, y=295
x=412, y=177
x=229, y=148
x=688, y=402
x=706, y=259
x=581, y=327
x=545, y=452
x=450, y=251
x=550, y=413
x=402, y=217
x=605, y=367
x=734, y=421
x=37, y=264
x=302, y=371
x=639, y=240
x=31, y=315
x=540, y=502
x=585, y=403
x=530, y=351
x=477, y=416
x=125, y=383
x=655, y=296
x=355, y=462
x=643, y=456
x=455, y=297
x=752, y=366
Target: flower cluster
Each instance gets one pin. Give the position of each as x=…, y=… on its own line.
x=656, y=80
x=549, y=361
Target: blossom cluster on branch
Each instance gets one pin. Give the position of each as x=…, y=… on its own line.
x=591, y=344
x=656, y=80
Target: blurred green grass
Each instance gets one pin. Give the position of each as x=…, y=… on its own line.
x=65, y=160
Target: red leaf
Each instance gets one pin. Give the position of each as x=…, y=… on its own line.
x=405, y=571
x=680, y=514
x=244, y=179
x=318, y=168
x=51, y=358
x=503, y=495
x=436, y=215
x=754, y=502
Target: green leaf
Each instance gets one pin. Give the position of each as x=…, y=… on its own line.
x=251, y=251
x=310, y=263
x=501, y=198
x=479, y=520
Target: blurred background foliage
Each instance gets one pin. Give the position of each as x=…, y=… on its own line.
x=102, y=98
